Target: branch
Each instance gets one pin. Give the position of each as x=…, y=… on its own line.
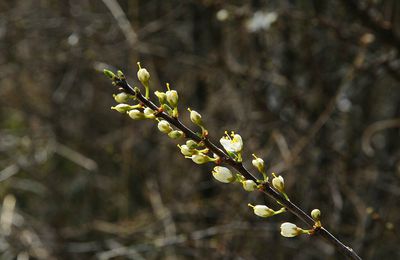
x=238, y=166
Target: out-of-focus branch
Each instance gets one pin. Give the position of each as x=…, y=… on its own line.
x=382, y=28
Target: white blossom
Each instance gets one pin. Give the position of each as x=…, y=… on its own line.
x=234, y=144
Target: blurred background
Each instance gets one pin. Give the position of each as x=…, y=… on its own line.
x=312, y=87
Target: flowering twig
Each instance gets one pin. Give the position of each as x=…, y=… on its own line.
x=167, y=116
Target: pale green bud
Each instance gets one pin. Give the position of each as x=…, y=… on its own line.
x=290, y=230
x=167, y=109
x=278, y=183
x=172, y=97
x=175, y=134
x=263, y=211
x=249, y=185
x=191, y=144
x=136, y=114
x=164, y=127
x=121, y=97
x=149, y=113
x=120, y=74
x=259, y=164
x=316, y=214
x=109, y=74
x=162, y=97
x=143, y=76
x=122, y=108
x=201, y=158
x=223, y=174
x=195, y=117
x=186, y=151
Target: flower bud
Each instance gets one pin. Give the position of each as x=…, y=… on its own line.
x=109, y=74
x=121, y=97
x=316, y=214
x=223, y=174
x=263, y=211
x=195, y=117
x=120, y=75
x=249, y=185
x=186, y=151
x=290, y=230
x=200, y=158
x=136, y=114
x=172, y=97
x=162, y=97
x=191, y=144
x=175, y=134
x=278, y=183
x=122, y=108
x=258, y=163
x=149, y=113
x=164, y=127
x=143, y=75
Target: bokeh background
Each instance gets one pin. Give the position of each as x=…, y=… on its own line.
x=312, y=87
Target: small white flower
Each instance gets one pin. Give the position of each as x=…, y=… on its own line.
x=263, y=211
x=164, y=127
x=172, y=97
x=135, y=114
x=278, y=183
x=223, y=174
x=249, y=185
x=290, y=230
x=232, y=144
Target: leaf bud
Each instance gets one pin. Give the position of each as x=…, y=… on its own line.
x=109, y=74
